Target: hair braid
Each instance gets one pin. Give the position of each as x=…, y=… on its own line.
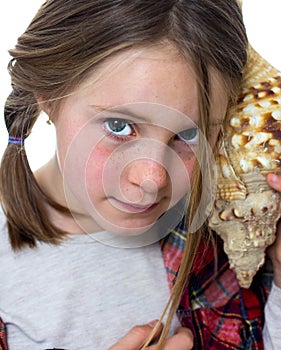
x=21, y=197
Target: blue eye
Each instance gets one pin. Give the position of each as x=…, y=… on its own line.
x=189, y=135
x=119, y=127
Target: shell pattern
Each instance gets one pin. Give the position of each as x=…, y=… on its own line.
x=246, y=209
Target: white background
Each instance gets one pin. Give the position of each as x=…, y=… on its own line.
x=262, y=19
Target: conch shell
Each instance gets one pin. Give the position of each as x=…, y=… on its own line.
x=246, y=209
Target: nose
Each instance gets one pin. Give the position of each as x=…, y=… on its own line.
x=148, y=174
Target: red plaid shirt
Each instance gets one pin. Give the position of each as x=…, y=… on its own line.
x=220, y=313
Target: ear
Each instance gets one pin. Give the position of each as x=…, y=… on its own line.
x=47, y=107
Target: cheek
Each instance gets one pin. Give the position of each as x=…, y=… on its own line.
x=95, y=166
x=100, y=171
x=62, y=147
x=187, y=156
x=181, y=171
x=68, y=145
x=189, y=165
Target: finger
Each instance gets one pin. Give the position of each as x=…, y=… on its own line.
x=136, y=337
x=274, y=181
x=181, y=340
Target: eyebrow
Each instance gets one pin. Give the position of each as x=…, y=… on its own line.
x=120, y=110
x=129, y=113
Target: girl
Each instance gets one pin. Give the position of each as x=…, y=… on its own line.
x=136, y=91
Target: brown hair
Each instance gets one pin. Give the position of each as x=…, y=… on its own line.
x=66, y=41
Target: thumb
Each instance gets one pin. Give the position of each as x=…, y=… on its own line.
x=135, y=338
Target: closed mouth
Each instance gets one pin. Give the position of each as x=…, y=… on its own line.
x=136, y=208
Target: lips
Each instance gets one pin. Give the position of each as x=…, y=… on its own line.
x=135, y=208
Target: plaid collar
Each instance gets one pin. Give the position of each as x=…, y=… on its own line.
x=221, y=314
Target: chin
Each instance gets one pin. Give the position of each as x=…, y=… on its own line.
x=127, y=231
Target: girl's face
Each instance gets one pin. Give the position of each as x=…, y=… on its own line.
x=127, y=140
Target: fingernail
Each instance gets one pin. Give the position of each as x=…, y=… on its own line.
x=153, y=323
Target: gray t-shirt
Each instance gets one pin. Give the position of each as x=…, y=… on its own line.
x=86, y=295
x=272, y=328
x=78, y=295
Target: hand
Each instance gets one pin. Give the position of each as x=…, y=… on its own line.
x=274, y=251
x=136, y=337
